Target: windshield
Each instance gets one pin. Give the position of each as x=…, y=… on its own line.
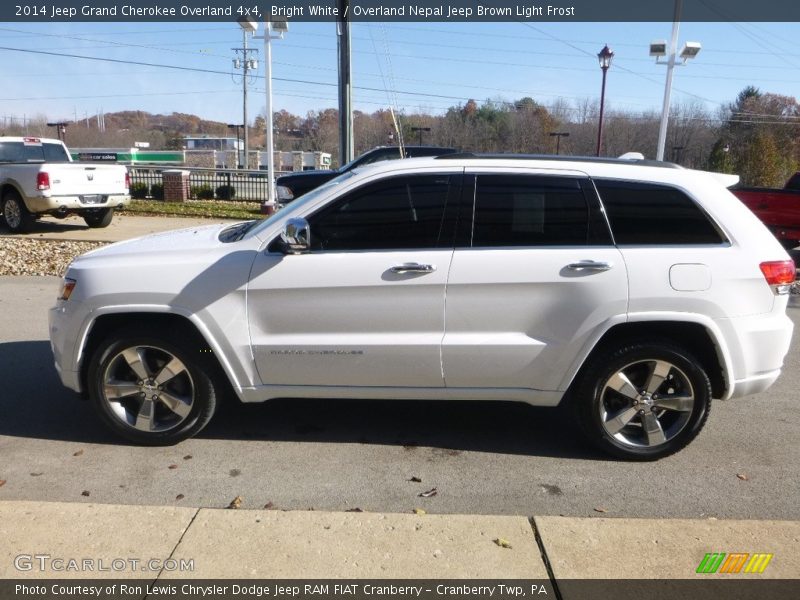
x=302, y=201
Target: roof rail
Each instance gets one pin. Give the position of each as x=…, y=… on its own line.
x=627, y=159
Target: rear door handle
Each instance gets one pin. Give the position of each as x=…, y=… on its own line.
x=589, y=265
x=413, y=268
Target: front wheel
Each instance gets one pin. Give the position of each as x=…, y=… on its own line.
x=149, y=390
x=643, y=401
x=98, y=218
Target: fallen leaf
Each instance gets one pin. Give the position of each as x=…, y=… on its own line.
x=172, y=467
x=742, y=476
x=188, y=457
x=600, y=509
x=2, y=482
x=354, y=510
x=78, y=453
x=179, y=497
x=268, y=505
x=502, y=543
x=85, y=493
x=416, y=480
x=430, y=493
x=420, y=511
x=236, y=502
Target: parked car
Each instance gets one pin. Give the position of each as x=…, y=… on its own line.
x=634, y=293
x=292, y=186
x=778, y=209
x=38, y=177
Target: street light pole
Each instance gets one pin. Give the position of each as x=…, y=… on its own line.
x=558, y=135
x=420, y=130
x=61, y=130
x=673, y=48
x=604, y=56
x=273, y=29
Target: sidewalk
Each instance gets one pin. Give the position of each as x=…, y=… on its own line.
x=269, y=544
x=123, y=227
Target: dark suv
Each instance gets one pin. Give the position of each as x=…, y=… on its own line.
x=294, y=185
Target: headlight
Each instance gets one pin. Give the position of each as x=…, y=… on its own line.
x=67, y=285
x=284, y=193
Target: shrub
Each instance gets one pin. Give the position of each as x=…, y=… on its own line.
x=157, y=191
x=226, y=192
x=139, y=190
x=202, y=192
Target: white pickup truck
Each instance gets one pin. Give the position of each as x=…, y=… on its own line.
x=38, y=177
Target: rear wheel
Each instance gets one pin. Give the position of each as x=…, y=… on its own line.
x=98, y=218
x=149, y=390
x=16, y=215
x=644, y=401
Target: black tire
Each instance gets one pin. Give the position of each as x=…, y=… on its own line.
x=16, y=215
x=677, y=380
x=155, y=349
x=99, y=218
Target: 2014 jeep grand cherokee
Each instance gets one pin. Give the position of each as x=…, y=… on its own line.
x=637, y=292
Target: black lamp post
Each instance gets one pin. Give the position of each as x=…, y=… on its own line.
x=604, y=57
x=61, y=130
x=420, y=130
x=558, y=135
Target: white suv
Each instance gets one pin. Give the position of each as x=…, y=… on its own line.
x=636, y=291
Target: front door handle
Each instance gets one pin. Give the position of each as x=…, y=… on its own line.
x=413, y=268
x=589, y=265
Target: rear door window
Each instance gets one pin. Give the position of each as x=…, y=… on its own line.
x=655, y=215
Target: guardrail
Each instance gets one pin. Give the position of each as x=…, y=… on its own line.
x=204, y=184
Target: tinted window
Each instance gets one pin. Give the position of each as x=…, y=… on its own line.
x=405, y=212
x=650, y=214
x=21, y=152
x=519, y=210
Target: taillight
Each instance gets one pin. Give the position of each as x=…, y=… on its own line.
x=42, y=181
x=779, y=274
x=127, y=180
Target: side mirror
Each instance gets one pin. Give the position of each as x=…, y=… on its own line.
x=296, y=236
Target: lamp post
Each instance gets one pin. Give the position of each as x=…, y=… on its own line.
x=238, y=156
x=604, y=56
x=61, y=130
x=247, y=64
x=659, y=50
x=273, y=30
x=420, y=130
x=558, y=135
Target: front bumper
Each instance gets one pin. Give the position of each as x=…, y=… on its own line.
x=65, y=342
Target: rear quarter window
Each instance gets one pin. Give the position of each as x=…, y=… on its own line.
x=655, y=215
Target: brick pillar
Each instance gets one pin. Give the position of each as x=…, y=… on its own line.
x=176, y=185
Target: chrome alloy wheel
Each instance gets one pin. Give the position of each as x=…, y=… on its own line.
x=12, y=213
x=646, y=403
x=148, y=389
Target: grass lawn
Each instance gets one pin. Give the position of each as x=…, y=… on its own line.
x=213, y=209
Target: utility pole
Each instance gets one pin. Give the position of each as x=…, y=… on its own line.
x=246, y=64
x=345, y=84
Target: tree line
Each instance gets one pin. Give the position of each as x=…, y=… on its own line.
x=756, y=136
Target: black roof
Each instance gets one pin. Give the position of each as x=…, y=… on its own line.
x=563, y=158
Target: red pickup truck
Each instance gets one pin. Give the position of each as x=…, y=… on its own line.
x=778, y=209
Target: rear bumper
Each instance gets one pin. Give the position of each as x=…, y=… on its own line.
x=42, y=204
x=761, y=344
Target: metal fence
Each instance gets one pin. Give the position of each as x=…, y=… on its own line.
x=204, y=184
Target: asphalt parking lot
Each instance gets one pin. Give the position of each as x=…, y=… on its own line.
x=482, y=458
